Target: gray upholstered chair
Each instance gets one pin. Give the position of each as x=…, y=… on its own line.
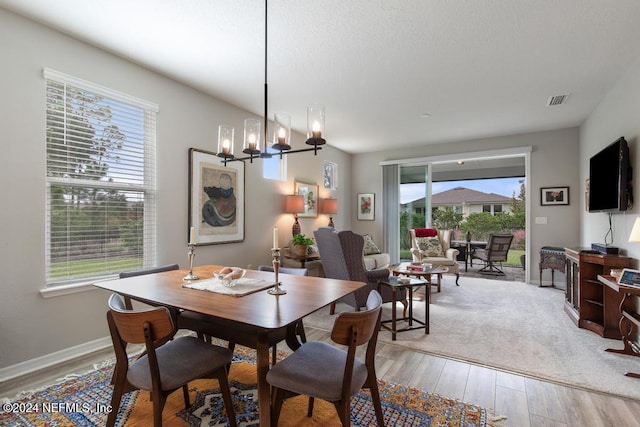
x=496, y=251
x=321, y=370
x=169, y=363
x=285, y=270
x=341, y=254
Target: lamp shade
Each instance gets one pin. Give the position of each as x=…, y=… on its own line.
x=329, y=206
x=635, y=231
x=294, y=204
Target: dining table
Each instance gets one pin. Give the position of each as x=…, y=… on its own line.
x=255, y=320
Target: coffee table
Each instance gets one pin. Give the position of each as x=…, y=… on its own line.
x=438, y=270
x=394, y=284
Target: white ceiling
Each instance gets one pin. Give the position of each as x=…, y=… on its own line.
x=480, y=68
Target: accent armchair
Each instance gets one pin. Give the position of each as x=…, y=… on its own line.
x=342, y=258
x=431, y=246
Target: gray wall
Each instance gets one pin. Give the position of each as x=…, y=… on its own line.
x=554, y=162
x=33, y=326
x=617, y=115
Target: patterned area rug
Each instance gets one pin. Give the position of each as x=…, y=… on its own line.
x=83, y=401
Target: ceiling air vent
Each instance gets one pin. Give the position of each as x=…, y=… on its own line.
x=557, y=100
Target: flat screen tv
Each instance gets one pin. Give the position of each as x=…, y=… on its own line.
x=610, y=173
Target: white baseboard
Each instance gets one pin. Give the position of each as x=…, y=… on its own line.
x=33, y=365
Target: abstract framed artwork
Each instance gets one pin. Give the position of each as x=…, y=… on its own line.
x=216, y=199
x=310, y=194
x=554, y=196
x=366, y=206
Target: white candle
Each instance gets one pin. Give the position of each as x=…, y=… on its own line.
x=281, y=136
x=275, y=237
x=315, y=131
x=192, y=236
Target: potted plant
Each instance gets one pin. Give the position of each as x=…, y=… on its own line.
x=301, y=244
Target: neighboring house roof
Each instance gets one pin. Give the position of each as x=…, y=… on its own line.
x=462, y=195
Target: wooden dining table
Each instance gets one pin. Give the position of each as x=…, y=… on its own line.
x=255, y=320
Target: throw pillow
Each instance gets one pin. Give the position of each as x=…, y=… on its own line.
x=426, y=232
x=429, y=246
x=370, y=247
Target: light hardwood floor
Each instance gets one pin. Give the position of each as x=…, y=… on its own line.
x=524, y=401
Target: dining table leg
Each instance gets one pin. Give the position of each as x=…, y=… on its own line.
x=264, y=390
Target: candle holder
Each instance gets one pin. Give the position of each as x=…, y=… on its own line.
x=276, y=290
x=191, y=254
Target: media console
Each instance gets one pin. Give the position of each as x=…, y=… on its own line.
x=588, y=302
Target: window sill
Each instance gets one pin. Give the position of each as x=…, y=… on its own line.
x=58, y=291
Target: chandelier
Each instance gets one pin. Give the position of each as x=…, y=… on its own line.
x=281, y=142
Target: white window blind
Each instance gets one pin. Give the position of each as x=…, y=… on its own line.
x=101, y=184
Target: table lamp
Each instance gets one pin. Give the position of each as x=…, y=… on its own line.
x=294, y=204
x=330, y=207
x=635, y=231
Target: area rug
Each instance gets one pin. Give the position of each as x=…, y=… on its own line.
x=512, y=326
x=83, y=399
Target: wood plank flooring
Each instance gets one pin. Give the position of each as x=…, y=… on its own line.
x=524, y=401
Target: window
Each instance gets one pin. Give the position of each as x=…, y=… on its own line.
x=274, y=168
x=492, y=209
x=100, y=175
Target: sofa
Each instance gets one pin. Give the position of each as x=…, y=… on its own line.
x=374, y=258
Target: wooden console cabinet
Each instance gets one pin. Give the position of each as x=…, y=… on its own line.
x=588, y=302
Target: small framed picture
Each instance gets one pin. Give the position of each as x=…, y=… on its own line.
x=629, y=277
x=330, y=175
x=366, y=206
x=310, y=194
x=554, y=196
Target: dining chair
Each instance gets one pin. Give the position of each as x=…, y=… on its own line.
x=142, y=272
x=170, y=362
x=320, y=370
x=299, y=326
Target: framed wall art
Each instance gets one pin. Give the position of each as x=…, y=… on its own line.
x=330, y=175
x=216, y=199
x=310, y=194
x=366, y=206
x=554, y=196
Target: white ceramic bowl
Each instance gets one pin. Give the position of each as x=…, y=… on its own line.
x=230, y=279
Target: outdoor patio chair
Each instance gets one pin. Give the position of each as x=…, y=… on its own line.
x=496, y=252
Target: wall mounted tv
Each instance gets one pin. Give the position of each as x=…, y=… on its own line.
x=610, y=175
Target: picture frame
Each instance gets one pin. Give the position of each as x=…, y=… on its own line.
x=310, y=194
x=330, y=175
x=629, y=277
x=554, y=196
x=366, y=206
x=216, y=199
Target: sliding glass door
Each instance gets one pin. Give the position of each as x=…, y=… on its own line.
x=415, y=203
